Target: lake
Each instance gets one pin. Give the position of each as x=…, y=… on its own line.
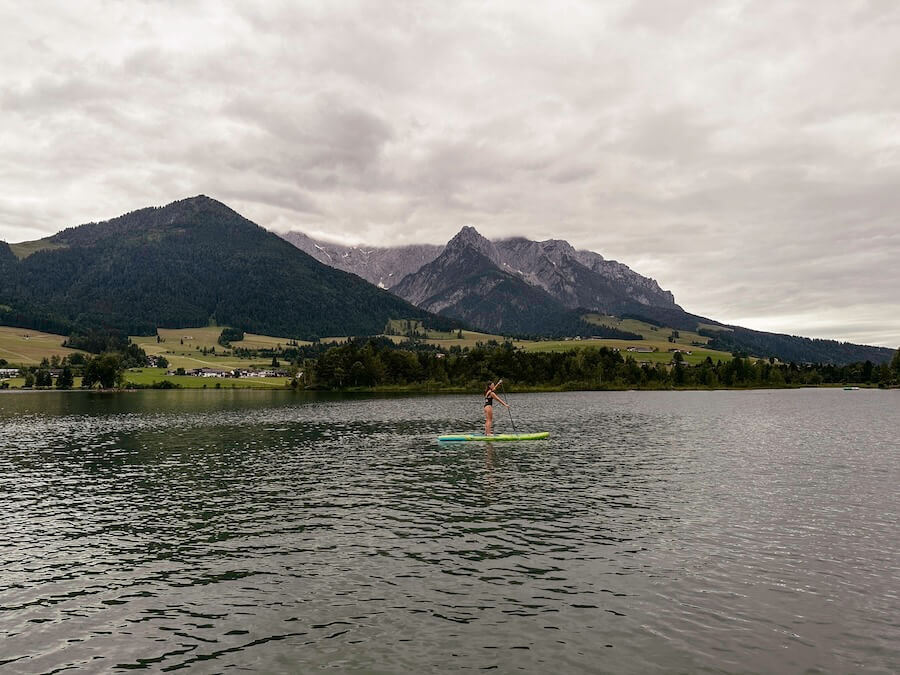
x=281, y=533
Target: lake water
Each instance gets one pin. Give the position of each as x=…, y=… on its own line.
x=274, y=532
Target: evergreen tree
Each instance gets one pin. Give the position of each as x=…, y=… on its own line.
x=66, y=379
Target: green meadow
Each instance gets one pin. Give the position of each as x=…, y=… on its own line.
x=26, y=347
x=149, y=376
x=185, y=347
x=26, y=248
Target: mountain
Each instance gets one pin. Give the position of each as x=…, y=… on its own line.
x=493, y=285
x=464, y=282
x=576, y=278
x=543, y=284
x=793, y=348
x=182, y=265
x=196, y=260
x=382, y=266
x=580, y=278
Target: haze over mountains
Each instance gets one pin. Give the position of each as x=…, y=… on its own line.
x=382, y=266
x=196, y=260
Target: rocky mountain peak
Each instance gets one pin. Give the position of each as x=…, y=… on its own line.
x=469, y=237
x=574, y=278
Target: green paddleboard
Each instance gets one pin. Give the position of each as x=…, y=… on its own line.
x=498, y=437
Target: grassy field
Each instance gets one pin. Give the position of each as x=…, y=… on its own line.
x=189, y=362
x=207, y=337
x=646, y=330
x=147, y=376
x=188, y=356
x=697, y=354
x=403, y=326
x=19, y=382
x=181, y=347
x=26, y=347
x=469, y=339
x=26, y=248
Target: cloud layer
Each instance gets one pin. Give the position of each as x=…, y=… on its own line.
x=745, y=154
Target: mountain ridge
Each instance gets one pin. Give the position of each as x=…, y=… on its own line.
x=187, y=263
x=577, y=278
x=465, y=284
x=383, y=266
x=196, y=260
x=580, y=280
x=473, y=280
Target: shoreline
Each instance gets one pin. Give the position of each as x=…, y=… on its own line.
x=434, y=391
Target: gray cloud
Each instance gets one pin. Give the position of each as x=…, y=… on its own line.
x=744, y=154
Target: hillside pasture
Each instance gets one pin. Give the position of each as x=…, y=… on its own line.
x=147, y=376
x=182, y=347
x=469, y=339
x=26, y=347
x=662, y=355
x=208, y=337
x=26, y=248
x=647, y=330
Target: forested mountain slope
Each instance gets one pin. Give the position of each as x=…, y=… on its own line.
x=184, y=264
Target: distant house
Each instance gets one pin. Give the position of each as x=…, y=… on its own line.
x=9, y=372
x=208, y=372
x=641, y=350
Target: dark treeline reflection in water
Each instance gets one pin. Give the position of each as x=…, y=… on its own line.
x=273, y=532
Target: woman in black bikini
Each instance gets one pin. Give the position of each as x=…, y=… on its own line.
x=489, y=396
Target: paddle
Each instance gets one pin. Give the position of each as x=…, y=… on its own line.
x=505, y=393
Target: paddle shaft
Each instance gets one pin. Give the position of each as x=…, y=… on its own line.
x=506, y=393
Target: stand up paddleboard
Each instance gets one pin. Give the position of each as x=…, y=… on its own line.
x=498, y=437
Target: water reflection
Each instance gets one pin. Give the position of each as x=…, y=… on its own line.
x=262, y=530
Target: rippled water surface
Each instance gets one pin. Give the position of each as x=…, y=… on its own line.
x=273, y=532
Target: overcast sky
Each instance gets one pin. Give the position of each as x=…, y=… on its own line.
x=744, y=154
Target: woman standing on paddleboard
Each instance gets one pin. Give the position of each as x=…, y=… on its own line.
x=489, y=396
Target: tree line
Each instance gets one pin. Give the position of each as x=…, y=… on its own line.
x=363, y=363
x=376, y=362
x=105, y=370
